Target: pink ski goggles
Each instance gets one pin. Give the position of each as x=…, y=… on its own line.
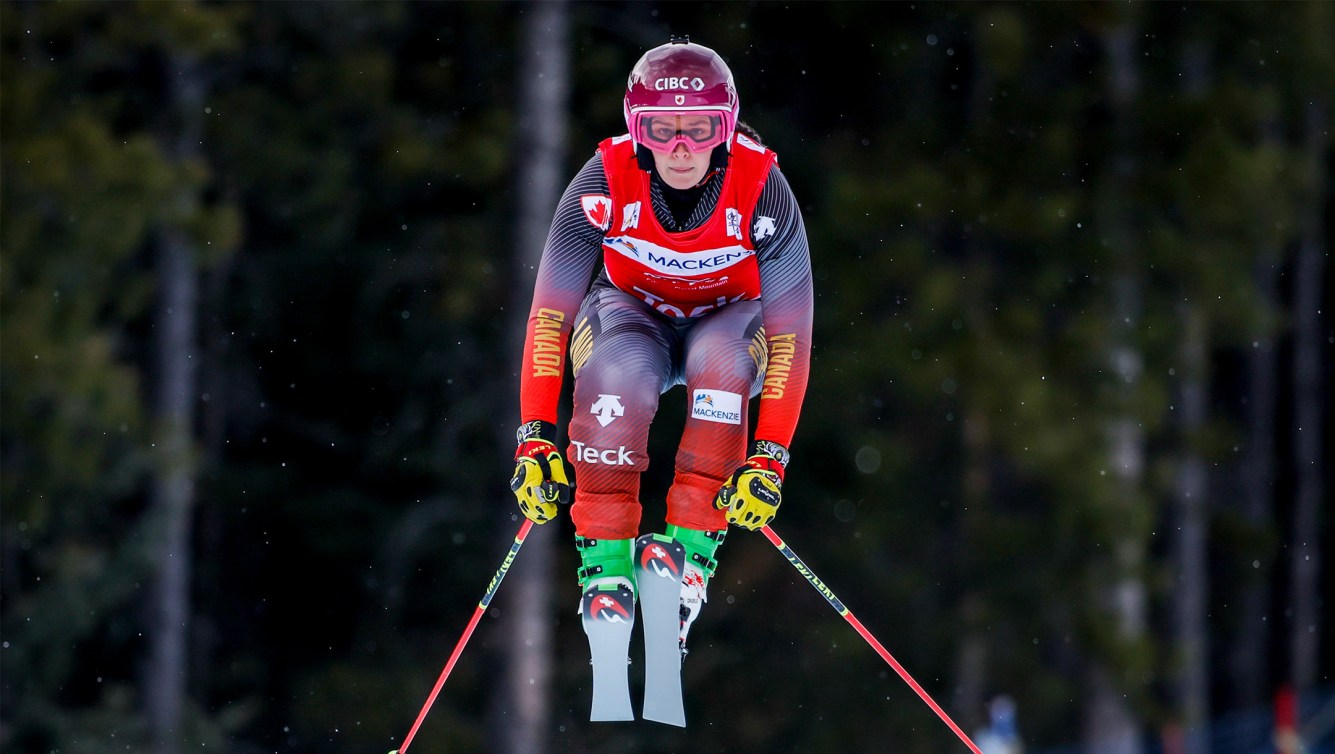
x=699, y=130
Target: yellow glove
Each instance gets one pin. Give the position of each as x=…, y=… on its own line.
x=540, y=480
x=753, y=494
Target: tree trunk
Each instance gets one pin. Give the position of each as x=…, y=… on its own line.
x=974, y=613
x=1248, y=658
x=1111, y=726
x=971, y=658
x=1305, y=546
x=544, y=65
x=1191, y=684
x=172, y=492
x=1189, y=599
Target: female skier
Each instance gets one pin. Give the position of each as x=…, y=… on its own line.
x=705, y=281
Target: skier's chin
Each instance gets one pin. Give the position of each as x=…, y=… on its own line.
x=682, y=179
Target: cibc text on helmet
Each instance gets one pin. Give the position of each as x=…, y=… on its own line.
x=679, y=82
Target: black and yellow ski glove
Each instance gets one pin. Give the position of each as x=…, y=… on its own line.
x=540, y=481
x=753, y=493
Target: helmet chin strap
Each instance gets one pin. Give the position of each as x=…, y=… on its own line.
x=718, y=162
x=643, y=157
x=718, y=158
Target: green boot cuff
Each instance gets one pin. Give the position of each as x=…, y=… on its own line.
x=605, y=558
x=700, y=546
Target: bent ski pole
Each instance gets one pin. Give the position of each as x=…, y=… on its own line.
x=862, y=630
x=472, y=624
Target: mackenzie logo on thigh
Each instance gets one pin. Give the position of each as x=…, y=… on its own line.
x=716, y=406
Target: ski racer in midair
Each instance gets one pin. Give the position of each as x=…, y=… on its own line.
x=703, y=279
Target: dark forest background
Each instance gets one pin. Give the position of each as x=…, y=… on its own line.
x=264, y=268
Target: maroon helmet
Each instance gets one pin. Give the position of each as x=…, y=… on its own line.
x=681, y=92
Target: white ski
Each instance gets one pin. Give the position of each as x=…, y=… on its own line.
x=608, y=611
x=660, y=562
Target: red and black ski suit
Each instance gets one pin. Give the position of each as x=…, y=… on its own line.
x=720, y=302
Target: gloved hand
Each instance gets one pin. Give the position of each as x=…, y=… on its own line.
x=540, y=480
x=753, y=493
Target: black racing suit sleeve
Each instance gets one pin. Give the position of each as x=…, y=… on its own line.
x=569, y=258
x=786, y=294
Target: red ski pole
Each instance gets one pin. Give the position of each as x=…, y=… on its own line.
x=864, y=633
x=472, y=624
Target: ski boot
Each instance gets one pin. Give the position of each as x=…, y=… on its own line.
x=700, y=565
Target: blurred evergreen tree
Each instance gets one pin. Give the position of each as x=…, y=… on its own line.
x=92, y=179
